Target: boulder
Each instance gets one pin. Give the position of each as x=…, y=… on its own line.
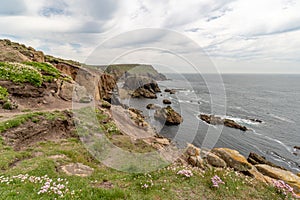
x=297, y=147
x=77, y=169
x=153, y=106
x=214, y=120
x=171, y=91
x=192, y=150
x=196, y=161
x=167, y=101
x=142, y=87
x=254, y=173
x=215, y=161
x=70, y=91
x=288, y=177
x=256, y=159
x=233, y=159
x=168, y=116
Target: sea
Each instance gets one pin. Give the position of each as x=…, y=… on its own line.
x=274, y=99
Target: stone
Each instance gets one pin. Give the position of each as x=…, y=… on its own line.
x=196, y=161
x=288, y=177
x=254, y=173
x=168, y=116
x=256, y=159
x=167, y=101
x=214, y=120
x=233, y=159
x=215, y=161
x=192, y=150
x=152, y=106
x=77, y=169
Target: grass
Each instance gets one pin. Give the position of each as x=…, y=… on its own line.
x=49, y=72
x=166, y=183
x=3, y=94
x=34, y=117
x=20, y=73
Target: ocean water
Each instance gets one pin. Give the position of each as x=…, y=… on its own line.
x=274, y=99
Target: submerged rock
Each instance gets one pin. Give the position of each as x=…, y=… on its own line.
x=168, y=115
x=214, y=120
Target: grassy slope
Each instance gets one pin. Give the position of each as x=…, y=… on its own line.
x=36, y=161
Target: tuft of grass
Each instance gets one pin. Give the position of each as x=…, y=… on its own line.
x=20, y=73
x=3, y=94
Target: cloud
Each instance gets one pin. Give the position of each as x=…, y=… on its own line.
x=12, y=7
x=235, y=31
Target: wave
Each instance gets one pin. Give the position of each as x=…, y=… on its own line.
x=281, y=118
x=279, y=142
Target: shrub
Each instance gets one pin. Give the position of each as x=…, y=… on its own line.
x=3, y=94
x=49, y=72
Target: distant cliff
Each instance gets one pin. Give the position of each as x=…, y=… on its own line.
x=122, y=71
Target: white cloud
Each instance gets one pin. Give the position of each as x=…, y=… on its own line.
x=233, y=33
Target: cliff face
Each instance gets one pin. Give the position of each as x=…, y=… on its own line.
x=122, y=71
x=98, y=84
x=15, y=52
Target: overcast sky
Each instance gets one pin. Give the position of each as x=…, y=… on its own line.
x=241, y=36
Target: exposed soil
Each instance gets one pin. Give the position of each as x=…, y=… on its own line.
x=29, y=133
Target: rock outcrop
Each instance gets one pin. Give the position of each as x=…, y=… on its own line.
x=233, y=159
x=15, y=52
x=214, y=120
x=256, y=159
x=168, y=116
x=292, y=179
x=141, y=87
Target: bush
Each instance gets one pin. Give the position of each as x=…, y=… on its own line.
x=49, y=72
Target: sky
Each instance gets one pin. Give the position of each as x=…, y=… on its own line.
x=226, y=36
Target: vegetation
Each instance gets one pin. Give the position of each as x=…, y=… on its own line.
x=49, y=72
x=20, y=73
x=3, y=94
x=34, y=117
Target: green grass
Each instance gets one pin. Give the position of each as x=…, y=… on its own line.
x=34, y=117
x=49, y=72
x=20, y=73
x=3, y=94
x=166, y=183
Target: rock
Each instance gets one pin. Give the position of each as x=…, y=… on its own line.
x=105, y=104
x=297, y=147
x=167, y=101
x=171, y=91
x=142, y=87
x=168, y=116
x=138, y=117
x=153, y=106
x=256, y=120
x=290, y=178
x=215, y=161
x=196, y=161
x=254, y=173
x=192, y=150
x=214, y=120
x=73, y=92
x=77, y=169
x=256, y=159
x=233, y=159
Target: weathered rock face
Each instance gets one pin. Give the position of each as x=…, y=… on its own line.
x=167, y=101
x=138, y=117
x=15, y=52
x=256, y=159
x=168, y=115
x=292, y=179
x=73, y=92
x=233, y=159
x=100, y=85
x=142, y=87
x=214, y=120
x=27, y=90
